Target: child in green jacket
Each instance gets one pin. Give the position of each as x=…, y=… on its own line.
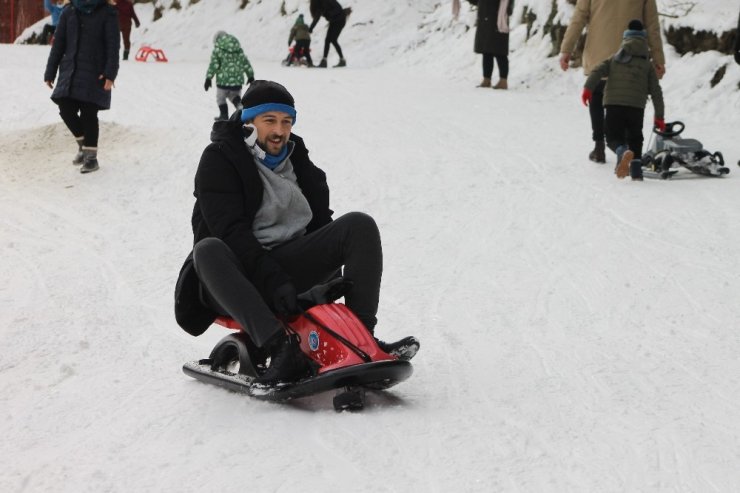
x=631, y=77
x=229, y=64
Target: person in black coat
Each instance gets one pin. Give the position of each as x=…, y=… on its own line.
x=85, y=51
x=337, y=17
x=737, y=41
x=263, y=232
x=492, y=39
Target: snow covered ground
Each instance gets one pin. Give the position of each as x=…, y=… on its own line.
x=579, y=333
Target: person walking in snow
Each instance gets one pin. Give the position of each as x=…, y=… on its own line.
x=737, y=41
x=263, y=231
x=126, y=14
x=55, y=9
x=85, y=51
x=302, y=36
x=337, y=17
x=606, y=20
x=631, y=77
x=229, y=64
x=492, y=39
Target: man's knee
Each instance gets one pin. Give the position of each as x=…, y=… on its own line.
x=360, y=223
x=208, y=248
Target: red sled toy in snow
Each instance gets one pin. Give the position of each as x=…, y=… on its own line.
x=344, y=355
x=297, y=56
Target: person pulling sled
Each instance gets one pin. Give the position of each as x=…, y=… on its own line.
x=631, y=78
x=263, y=232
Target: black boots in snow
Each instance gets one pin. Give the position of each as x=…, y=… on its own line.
x=598, y=155
x=89, y=160
x=287, y=361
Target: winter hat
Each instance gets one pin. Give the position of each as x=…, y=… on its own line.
x=300, y=20
x=635, y=29
x=266, y=95
x=218, y=35
x=86, y=6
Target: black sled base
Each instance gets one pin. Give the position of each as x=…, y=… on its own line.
x=377, y=375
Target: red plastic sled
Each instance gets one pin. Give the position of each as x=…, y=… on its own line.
x=345, y=353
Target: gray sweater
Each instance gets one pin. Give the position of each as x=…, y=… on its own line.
x=284, y=212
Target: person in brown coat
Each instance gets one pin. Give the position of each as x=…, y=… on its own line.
x=126, y=13
x=492, y=39
x=606, y=20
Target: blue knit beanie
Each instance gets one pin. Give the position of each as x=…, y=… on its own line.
x=266, y=95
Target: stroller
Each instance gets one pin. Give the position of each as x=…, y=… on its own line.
x=296, y=56
x=667, y=153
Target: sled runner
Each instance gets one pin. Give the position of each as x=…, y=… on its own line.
x=344, y=355
x=668, y=153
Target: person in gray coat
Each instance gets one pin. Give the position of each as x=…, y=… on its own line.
x=492, y=39
x=85, y=52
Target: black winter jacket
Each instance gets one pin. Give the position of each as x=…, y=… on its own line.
x=488, y=39
x=85, y=47
x=330, y=9
x=228, y=192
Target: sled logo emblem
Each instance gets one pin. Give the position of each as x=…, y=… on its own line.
x=313, y=340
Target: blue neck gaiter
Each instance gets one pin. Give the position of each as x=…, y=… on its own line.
x=272, y=161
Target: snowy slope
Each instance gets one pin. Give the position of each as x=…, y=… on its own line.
x=579, y=332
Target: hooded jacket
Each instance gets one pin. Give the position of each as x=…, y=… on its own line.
x=228, y=193
x=229, y=63
x=85, y=47
x=631, y=77
x=299, y=32
x=606, y=20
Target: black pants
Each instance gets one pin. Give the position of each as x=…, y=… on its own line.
x=503, y=65
x=624, y=127
x=352, y=241
x=81, y=119
x=596, y=110
x=332, y=36
x=303, y=48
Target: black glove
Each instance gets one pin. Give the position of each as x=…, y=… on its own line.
x=285, y=300
x=207, y=85
x=250, y=80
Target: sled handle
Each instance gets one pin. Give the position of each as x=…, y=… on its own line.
x=670, y=132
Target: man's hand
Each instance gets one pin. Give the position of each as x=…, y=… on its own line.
x=137, y=23
x=285, y=300
x=660, y=70
x=659, y=124
x=108, y=84
x=207, y=85
x=50, y=83
x=586, y=96
x=564, y=61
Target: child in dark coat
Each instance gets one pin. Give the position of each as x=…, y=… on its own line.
x=631, y=77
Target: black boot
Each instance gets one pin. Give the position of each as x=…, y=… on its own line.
x=322, y=64
x=237, y=102
x=90, y=160
x=224, y=112
x=125, y=54
x=80, y=156
x=636, y=170
x=404, y=349
x=598, y=155
x=287, y=362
